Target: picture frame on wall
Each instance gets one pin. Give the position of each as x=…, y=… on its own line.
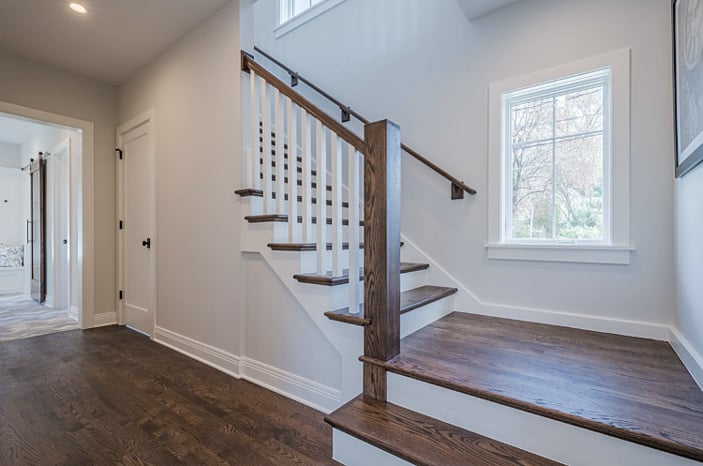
x=688, y=83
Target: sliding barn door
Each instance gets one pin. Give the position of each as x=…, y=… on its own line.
x=38, y=229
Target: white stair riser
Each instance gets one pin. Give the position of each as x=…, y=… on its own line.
x=540, y=435
x=350, y=451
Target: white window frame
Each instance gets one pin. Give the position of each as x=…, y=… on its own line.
x=294, y=22
x=615, y=247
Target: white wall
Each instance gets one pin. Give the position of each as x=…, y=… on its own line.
x=280, y=333
x=193, y=88
x=34, y=85
x=11, y=207
x=11, y=196
x=10, y=155
x=689, y=260
x=423, y=65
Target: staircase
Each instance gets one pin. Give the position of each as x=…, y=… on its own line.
x=422, y=384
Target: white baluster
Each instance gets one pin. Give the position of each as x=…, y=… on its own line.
x=306, y=146
x=254, y=151
x=337, y=231
x=354, y=159
x=280, y=153
x=292, y=172
x=321, y=178
x=266, y=154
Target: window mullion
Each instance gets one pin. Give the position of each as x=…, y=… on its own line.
x=554, y=167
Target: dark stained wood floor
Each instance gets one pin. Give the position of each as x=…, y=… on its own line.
x=111, y=396
x=632, y=388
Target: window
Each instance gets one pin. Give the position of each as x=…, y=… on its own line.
x=556, y=155
x=291, y=8
x=294, y=13
x=559, y=163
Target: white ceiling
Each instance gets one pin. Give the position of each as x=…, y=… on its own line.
x=474, y=9
x=17, y=131
x=110, y=43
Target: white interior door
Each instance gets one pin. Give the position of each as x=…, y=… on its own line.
x=137, y=209
x=60, y=158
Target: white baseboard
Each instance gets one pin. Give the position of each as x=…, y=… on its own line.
x=691, y=358
x=73, y=312
x=317, y=396
x=305, y=391
x=105, y=319
x=209, y=355
x=467, y=301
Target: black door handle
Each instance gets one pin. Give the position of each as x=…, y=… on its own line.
x=147, y=243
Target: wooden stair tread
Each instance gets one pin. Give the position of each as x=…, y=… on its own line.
x=307, y=246
x=631, y=388
x=329, y=280
x=284, y=218
x=249, y=192
x=409, y=300
x=423, y=440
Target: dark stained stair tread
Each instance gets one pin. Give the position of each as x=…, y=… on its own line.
x=284, y=218
x=300, y=182
x=634, y=389
x=329, y=280
x=307, y=246
x=409, y=300
x=423, y=440
x=248, y=192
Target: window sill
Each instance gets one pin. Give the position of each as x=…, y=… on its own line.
x=579, y=253
x=297, y=21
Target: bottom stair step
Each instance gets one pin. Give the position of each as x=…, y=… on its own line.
x=409, y=300
x=423, y=440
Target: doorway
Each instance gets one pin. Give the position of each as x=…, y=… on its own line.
x=137, y=225
x=36, y=273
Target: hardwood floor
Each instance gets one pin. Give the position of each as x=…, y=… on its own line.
x=632, y=388
x=111, y=396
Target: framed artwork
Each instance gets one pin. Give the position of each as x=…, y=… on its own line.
x=688, y=83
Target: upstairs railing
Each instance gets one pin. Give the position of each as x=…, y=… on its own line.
x=458, y=188
x=315, y=173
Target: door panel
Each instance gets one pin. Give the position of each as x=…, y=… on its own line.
x=138, y=229
x=38, y=229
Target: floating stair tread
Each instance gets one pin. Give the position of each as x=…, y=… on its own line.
x=634, y=389
x=423, y=440
x=329, y=280
x=249, y=192
x=409, y=300
x=304, y=246
x=284, y=218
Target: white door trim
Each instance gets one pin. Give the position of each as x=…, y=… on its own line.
x=147, y=117
x=84, y=180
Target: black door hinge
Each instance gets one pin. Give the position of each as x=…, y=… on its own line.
x=121, y=295
x=121, y=225
x=119, y=153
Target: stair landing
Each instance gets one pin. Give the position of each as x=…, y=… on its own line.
x=631, y=388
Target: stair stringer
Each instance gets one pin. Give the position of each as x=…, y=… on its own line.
x=543, y=436
x=315, y=299
x=347, y=340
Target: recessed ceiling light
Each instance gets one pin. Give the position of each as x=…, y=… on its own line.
x=78, y=8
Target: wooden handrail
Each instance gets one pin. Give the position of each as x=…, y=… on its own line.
x=458, y=186
x=248, y=64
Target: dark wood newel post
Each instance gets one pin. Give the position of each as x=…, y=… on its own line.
x=382, y=251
